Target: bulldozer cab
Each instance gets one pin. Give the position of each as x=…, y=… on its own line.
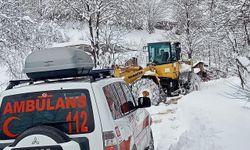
x=164, y=52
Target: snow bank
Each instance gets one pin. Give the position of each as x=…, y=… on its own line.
x=205, y=120
x=167, y=125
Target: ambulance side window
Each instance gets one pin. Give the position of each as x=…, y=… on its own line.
x=112, y=100
x=128, y=94
x=120, y=93
x=126, y=102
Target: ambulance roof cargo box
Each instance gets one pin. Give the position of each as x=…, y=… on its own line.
x=57, y=63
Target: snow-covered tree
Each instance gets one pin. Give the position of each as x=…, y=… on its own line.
x=216, y=32
x=233, y=24
x=190, y=23
x=111, y=39
x=153, y=11
x=128, y=14
x=92, y=12
x=141, y=14
x=21, y=32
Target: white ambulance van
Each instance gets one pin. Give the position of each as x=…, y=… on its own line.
x=65, y=105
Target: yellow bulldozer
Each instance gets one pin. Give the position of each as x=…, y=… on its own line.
x=162, y=77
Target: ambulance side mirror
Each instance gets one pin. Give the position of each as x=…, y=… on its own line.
x=144, y=102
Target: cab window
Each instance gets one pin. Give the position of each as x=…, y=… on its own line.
x=159, y=53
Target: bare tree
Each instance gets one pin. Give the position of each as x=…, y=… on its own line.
x=153, y=12
x=190, y=23
x=111, y=37
x=94, y=13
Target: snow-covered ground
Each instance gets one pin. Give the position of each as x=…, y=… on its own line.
x=203, y=120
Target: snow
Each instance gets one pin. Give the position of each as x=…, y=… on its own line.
x=72, y=43
x=245, y=62
x=27, y=18
x=75, y=35
x=137, y=39
x=149, y=73
x=3, y=78
x=197, y=70
x=185, y=67
x=203, y=120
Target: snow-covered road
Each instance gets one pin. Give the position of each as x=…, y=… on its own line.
x=203, y=120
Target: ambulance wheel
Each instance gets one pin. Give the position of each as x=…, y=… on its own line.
x=47, y=131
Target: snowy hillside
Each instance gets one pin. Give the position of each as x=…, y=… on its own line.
x=204, y=120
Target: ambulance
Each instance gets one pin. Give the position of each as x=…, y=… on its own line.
x=66, y=105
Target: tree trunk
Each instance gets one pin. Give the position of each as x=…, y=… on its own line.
x=188, y=33
x=241, y=77
x=92, y=38
x=209, y=57
x=235, y=47
x=97, y=46
x=246, y=33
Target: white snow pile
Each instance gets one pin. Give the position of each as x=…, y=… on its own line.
x=203, y=120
